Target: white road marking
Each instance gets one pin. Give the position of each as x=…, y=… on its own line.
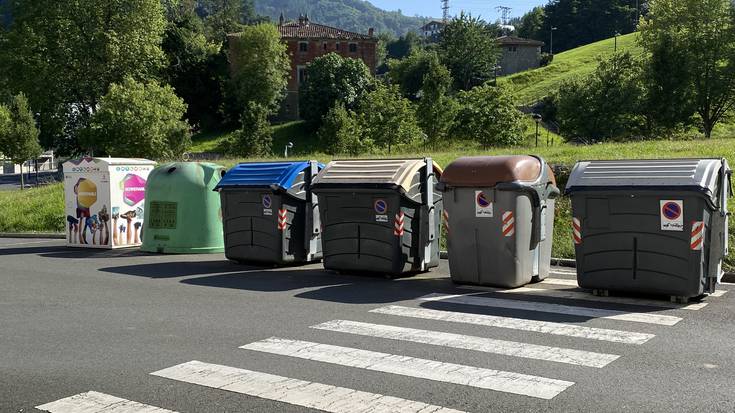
x=718, y=293
x=94, y=402
x=560, y=281
x=724, y=283
x=586, y=296
x=503, y=381
x=293, y=391
x=486, y=345
x=472, y=299
x=570, y=271
x=545, y=327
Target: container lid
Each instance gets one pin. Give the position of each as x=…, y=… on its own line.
x=264, y=174
x=88, y=160
x=701, y=175
x=488, y=171
x=372, y=172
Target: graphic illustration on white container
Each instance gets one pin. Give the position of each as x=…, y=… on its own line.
x=104, y=201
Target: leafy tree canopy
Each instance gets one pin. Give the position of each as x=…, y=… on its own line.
x=18, y=132
x=137, y=119
x=341, y=132
x=255, y=136
x=468, y=49
x=388, y=119
x=331, y=79
x=487, y=115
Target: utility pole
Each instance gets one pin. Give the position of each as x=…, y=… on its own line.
x=445, y=10
x=505, y=12
x=551, y=45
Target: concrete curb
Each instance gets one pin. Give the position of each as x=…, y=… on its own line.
x=52, y=235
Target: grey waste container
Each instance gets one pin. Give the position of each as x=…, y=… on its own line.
x=269, y=213
x=499, y=218
x=380, y=216
x=650, y=226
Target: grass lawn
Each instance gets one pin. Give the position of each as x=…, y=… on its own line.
x=533, y=85
x=42, y=209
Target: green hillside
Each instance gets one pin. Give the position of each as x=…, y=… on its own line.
x=533, y=85
x=353, y=15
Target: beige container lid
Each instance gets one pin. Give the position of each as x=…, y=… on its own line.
x=398, y=172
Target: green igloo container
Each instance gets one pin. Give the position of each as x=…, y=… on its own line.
x=182, y=212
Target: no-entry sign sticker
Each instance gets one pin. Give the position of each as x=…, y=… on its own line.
x=672, y=215
x=483, y=205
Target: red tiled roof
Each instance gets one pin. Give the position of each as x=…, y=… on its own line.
x=308, y=30
x=517, y=41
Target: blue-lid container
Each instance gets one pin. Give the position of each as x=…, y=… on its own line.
x=278, y=176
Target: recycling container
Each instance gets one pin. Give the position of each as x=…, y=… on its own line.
x=499, y=219
x=380, y=216
x=183, y=214
x=270, y=214
x=104, y=201
x=650, y=226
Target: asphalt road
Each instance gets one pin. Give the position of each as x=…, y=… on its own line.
x=74, y=321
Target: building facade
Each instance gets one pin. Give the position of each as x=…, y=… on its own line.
x=518, y=54
x=306, y=41
x=432, y=29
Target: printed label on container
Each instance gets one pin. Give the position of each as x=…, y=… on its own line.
x=672, y=215
x=483, y=206
x=381, y=218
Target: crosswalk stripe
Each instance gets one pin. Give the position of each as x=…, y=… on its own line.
x=503, y=381
x=472, y=299
x=718, y=293
x=586, y=296
x=487, y=345
x=95, y=402
x=303, y=393
x=560, y=281
x=544, y=327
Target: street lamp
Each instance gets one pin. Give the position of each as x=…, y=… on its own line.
x=537, y=118
x=616, y=41
x=551, y=46
x=285, y=151
x=496, y=69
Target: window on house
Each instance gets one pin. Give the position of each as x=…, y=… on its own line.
x=337, y=46
x=301, y=72
x=353, y=47
x=303, y=46
x=325, y=46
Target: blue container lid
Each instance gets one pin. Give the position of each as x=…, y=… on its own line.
x=264, y=174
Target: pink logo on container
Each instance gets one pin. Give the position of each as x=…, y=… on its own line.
x=133, y=187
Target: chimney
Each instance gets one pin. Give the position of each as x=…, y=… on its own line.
x=371, y=32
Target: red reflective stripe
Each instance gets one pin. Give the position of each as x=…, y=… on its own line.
x=282, y=219
x=508, y=230
x=508, y=216
x=398, y=225
x=697, y=228
x=696, y=244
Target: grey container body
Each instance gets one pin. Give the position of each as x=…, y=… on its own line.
x=360, y=237
x=622, y=244
x=480, y=252
x=252, y=232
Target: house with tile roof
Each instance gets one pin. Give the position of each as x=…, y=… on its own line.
x=518, y=54
x=307, y=40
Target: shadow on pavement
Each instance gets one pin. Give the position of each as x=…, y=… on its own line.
x=269, y=280
x=174, y=269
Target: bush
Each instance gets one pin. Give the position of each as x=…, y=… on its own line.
x=341, y=133
x=488, y=115
x=546, y=59
x=140, y=120
x=255, y=136
x=388, y=119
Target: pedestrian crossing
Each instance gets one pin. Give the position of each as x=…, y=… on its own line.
x=389, y=323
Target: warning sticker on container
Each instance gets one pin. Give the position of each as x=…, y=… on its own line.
x=483, y=206
x=672, y=215
x=267, y=203
x=381, y=218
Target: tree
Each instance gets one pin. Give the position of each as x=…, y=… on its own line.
x=331, y=79
x=531, y=25
x=260, y=67
x=604, y=105
x=255, y=136
x=409, y=73
x=468, y=49
x=387, y=119
x=403, y=46
x=487, y=115
x=223, y=17
x=138, y=119
x=341, y=132
x=436, y=110
x=65, y=54
x=192, y=67
x=701, y=34
x=18, y=132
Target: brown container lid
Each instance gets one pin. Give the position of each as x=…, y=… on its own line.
x=488, y=171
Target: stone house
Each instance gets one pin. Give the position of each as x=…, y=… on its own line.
x=518, y=54
x=306, y=41
x=432, y=29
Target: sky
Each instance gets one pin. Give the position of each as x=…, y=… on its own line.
x=483, y=8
